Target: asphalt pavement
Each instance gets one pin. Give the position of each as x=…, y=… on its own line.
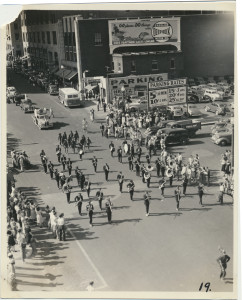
x=167, y=251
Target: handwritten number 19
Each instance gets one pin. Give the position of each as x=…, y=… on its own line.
x=206, y=285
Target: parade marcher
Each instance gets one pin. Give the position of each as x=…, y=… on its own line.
x=177, y=197
x=51, y=169
x=90, y=209
x=88, y=187
x=94, y=163
x=63, y=162
x=131, y=187
x=58, y=153
x=88, y=142
x=222, y=261
x=147, y=199
x=73, y=145
x=81, y=152
x=208, y=176
x=200, y=193
x=61, y=230
x=120, y=179
x=106, y=171
x=147, y=177
x=99, y=196
x=44, y=163
x=102, y=129
x=109, y=205
x=130, y=160
x=184, y=184
x=77, y=173
x=79, y=201
x=111, y=148
x=137, y=168
x=66, y=188
x=82, y=180
x=169, y=174
x=120, y=153
x=69, y=166
x=158, y=167
x=76, y=136
x=162, y=183
x=139, y=152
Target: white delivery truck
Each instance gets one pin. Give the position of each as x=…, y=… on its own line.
x=69, y=97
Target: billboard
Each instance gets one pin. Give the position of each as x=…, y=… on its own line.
x=167, y=92
x=137, y=32
x=133, y=85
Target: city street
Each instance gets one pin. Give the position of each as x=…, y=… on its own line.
x=167, y=251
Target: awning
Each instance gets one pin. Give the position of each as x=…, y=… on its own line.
x=66, y=73
x=53, y=69
x=71, y=75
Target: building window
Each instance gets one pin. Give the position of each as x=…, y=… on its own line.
x=23, y=37
x=16, y=36
x=74, y=57
x=30, y=36
x=172, y=63
x=67, y=55
x=73, y=39
x=119, y=66
x=70, y=21
x=98, y=39
x=154, y=65
x=133, y=66
x=34, y=37
x=48, y=37
x=54, y=37
x=66, y=39
x=38, y=36
x=43, y=37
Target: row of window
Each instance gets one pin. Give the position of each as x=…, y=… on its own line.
x=39, y=52
x=40, y=37
x=38, y=18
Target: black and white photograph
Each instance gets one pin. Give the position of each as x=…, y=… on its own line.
x=119, y=151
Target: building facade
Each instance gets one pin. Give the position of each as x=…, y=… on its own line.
x=14, y=41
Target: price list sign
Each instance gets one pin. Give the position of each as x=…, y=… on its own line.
x=158, y=97
x=177, y=95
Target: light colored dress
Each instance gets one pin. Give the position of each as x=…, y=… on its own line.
x=39, y=217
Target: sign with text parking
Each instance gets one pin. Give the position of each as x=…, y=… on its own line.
x=167, y=92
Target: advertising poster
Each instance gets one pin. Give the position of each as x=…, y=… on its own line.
x=138, y=32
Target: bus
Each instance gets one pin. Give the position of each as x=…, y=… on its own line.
x=69, y=97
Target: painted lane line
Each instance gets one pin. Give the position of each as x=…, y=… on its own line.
x=88, y=259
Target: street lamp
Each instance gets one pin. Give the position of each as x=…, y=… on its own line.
x=123, y=90
x=63, y=69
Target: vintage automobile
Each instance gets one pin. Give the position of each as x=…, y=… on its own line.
x=175, y=136
x=11, y=92
x=27, y=106
x=18, y=98
x=223, y=129
x=191, y=126
x=212, y=94
x=138, y=105
x=222, y=138
x=175, y=111
x=53, y=89
x=42, y=118
x=192, y=110
x=218, y=109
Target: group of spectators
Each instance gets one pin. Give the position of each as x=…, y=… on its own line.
x=227, y=182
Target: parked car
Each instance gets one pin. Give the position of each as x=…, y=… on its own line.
x=220, y=124
x=222, y=139
x=192, y=110
x=191, y=126
x=138, y=105
x=53, y=89
x=218, y=109
x=11, y=92
x=192, y=98
x=175, y=111
x=18, y=98
x=173, y=136
x=212, y=95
